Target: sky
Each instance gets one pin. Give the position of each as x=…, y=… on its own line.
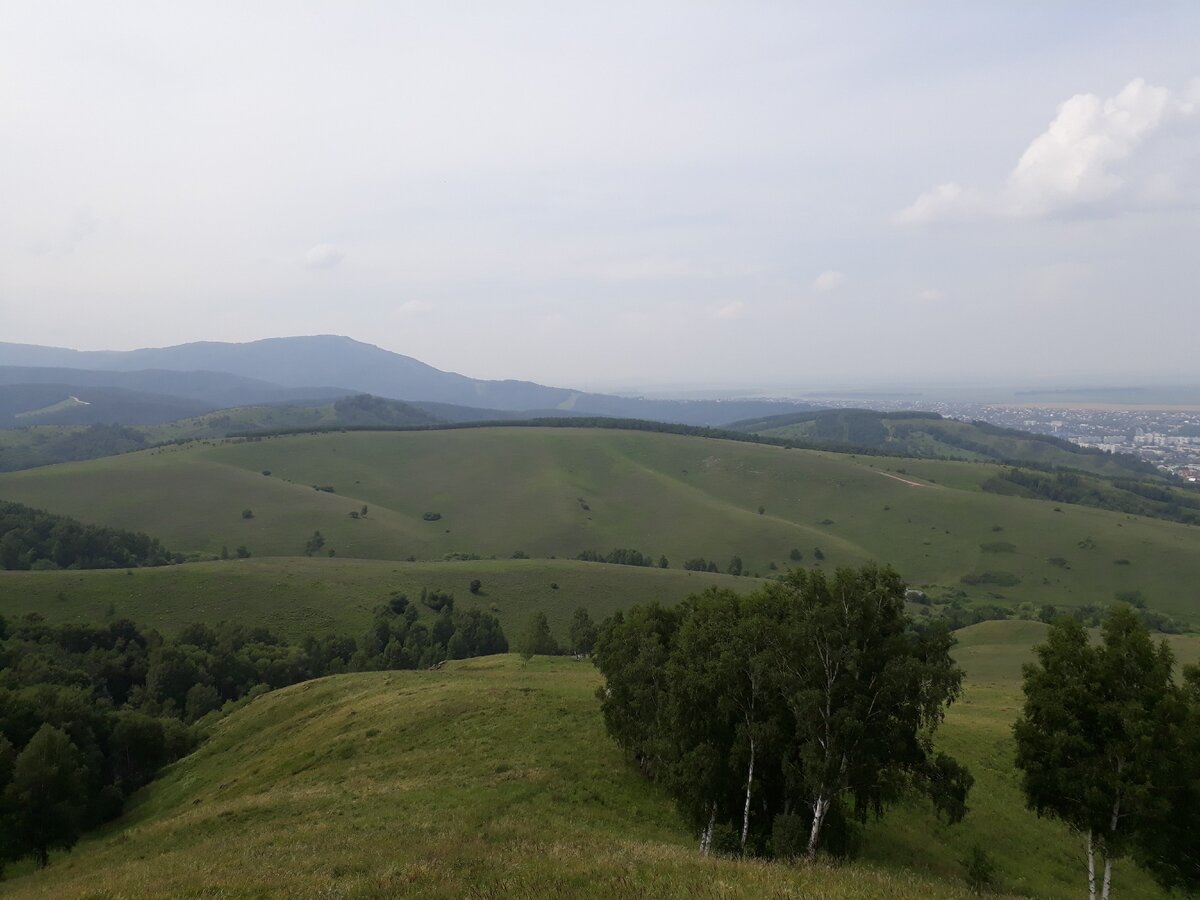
x=615, y=194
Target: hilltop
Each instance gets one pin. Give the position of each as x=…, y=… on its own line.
x=486, y=778
x=925, y=434
x=290, y=368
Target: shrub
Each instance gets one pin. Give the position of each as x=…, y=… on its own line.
x=431, y=516
x=247, y=514
x=981, y=870
x=789, y=836
x=998, y=547
x=476, y=586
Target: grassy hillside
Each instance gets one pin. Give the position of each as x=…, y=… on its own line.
x=558, y=491
x=488, y=779
x=300, y=596
x=930, y=435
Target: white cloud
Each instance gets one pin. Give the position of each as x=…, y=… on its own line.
x=413, y=306
x=930, y=295
x=323, y=256
x=946, y=202
x=734, y=310
x=828, y=281
x=1075, y=163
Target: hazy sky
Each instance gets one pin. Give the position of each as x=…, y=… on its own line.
x=613, y=193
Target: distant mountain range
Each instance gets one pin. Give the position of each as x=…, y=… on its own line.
x=324, y=367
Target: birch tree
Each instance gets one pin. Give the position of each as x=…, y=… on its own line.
x=865, y=692
x=1096, y=736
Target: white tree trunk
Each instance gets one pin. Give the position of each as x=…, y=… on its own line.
x=1107, y=878
x=707, y=833
x=749, y=782
x=820, y=807
x=1091, y=856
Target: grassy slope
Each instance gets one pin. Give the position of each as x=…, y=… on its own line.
x=921, y=437
x=299, y=596
x=501, y=490
x=486, y=779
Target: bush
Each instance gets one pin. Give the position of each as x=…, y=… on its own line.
x=247, y=514
x=981, y=870
x=476, y=586
x=789, y=836
x=725, y=840
x=431, y=516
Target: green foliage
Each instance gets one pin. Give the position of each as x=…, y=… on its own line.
x=536, y=640
x=31, y=538
x=620, y=557
x=812, y=694
x=583, y=633
x=1101, y=735
x=980, y=869
x=475, y=586
x=314, y=544
x=47, y=796
x=247, y=513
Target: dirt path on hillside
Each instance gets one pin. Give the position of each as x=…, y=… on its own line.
x=898, y=478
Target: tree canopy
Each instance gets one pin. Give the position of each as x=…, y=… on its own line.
x=808, y=704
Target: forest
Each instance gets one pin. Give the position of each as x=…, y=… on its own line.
x=89, y=714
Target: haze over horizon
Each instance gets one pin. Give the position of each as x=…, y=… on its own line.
x=675, y=195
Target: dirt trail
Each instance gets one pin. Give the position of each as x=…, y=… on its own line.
x=905, y=480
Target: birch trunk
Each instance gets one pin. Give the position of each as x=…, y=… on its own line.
x=749, y=782
x=1091, y=855
x=819, y=809
x=1107, y=878
x=707, y=833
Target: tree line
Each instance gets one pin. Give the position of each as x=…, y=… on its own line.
x=35, y=539
x=780, y=719
x=88, y=714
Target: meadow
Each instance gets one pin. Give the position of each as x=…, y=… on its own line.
x=299, y=596
x=488, y=778
x=555, y=492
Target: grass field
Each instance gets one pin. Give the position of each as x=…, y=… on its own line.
x=486, y=779
x=558, y=491
x=300, y=596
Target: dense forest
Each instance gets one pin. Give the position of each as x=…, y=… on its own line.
x=89, y=714
x=34, y=539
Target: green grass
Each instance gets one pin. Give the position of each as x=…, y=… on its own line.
x=505, y=489
x=300, y=596
x=487, y=779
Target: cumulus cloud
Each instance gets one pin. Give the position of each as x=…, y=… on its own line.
x=734, y=310
x=323, y=256
x=1076, y=163
x=828, y=281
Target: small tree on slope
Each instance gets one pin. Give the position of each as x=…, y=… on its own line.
x=1097, y=735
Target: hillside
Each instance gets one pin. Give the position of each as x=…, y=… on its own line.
x=923, y=434
x=558, y=491
x=210, y=389
x=297, y=596
x=298, y=793
x=69, y=404
x=297, y=363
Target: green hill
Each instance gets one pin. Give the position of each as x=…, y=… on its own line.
x=929, y=435
x=490, y=779
x=300, y=596
x=554, y=492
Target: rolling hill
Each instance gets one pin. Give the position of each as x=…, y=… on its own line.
x=488, y=778
x=297, y=363
x=924, y=434
x=554, y=492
